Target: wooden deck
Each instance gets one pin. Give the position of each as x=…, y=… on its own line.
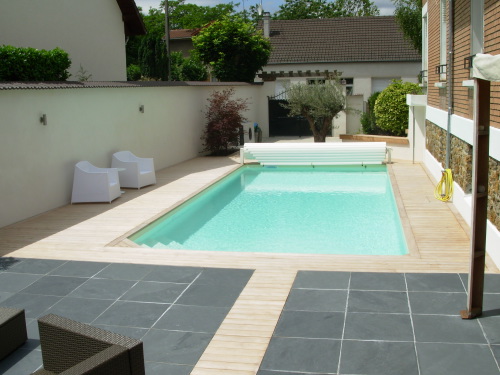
x=437, y=235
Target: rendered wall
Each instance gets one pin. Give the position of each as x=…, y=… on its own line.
x=37, y=161
x=91, y=31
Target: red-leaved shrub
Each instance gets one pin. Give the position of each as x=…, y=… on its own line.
x=224, y=119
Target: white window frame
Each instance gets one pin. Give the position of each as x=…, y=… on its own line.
x=477, y=26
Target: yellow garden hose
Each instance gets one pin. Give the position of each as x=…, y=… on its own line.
x=445, y=184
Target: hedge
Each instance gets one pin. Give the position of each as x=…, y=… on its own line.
x=30, y=64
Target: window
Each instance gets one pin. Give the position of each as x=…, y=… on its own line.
x=349, y=85
x=316, y=81
x=477, y=26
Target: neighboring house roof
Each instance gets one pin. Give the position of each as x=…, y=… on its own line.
x=345, y=39
x=131, y=18
x=183, y=33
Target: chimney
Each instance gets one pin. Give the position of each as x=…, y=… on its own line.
x=266, y=16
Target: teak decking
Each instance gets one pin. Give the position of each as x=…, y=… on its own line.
x=437, y=235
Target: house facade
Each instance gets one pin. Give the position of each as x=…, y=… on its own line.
x=454, y=31
x=93, y=32
x=369, y=52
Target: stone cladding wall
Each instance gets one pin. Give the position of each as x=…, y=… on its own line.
x=461, y=166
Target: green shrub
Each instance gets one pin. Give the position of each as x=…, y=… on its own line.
x=391, y=110
x=133, y=72
x=30, y=64
x=368, y=122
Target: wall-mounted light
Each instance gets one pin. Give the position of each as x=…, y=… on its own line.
x=43, y=119
x=141, y=108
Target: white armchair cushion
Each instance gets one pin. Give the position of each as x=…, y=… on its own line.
x=93, y=184
x=134, y=172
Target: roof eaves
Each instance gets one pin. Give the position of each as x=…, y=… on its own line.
x=132, y=19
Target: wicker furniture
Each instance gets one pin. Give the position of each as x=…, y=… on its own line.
x=70, y=347
x=12, y=330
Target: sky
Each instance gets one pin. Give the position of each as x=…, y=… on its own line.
x=386, y=7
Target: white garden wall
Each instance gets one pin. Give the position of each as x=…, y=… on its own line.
x=37, y=161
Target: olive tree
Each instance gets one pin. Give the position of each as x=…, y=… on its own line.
x=319, y=104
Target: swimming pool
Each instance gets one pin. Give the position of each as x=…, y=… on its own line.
x=312, y=210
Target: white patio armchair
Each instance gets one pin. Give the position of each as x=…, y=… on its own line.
x=93, y=184
x=134, y=172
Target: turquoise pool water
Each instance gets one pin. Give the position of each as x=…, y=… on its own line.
x=312, y=210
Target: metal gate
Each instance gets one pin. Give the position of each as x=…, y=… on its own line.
x=280, y=124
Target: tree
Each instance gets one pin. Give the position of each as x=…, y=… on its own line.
x=408, y=15
x=391, y=110
x=192, y=16
x=190, y=69
x=307, y=9
x=233, y=49
x=319, y=104
x=224, y=118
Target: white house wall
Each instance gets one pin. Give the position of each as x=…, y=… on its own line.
x=91, y=31
x=363, y=73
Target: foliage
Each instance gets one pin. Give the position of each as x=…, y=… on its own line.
x=307, y=9
x=82, y=74
x=408, y=15
x=391, y=110
x=190, y=69
x=319, y=104
x=192, y=16
x=153, y=59
x=133, y=72
x=233, y=49
x=30, y=64
x=224, y=118
x=368, y=122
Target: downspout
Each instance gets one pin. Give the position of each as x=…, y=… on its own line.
x=449, y=79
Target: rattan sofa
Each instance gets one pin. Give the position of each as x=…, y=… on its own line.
x=70, y=347
x=12, y=330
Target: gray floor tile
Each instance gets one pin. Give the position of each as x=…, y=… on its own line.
x=172, y=274
x=302, y=355
x=83, y=310
x=378, y=357
x=491, y=304
x=491, y=282
x=120, y=271
x=133, y=332
x=36, y=266
x=385, y=327
x=5, y=295
x=15, y=282
x=447, y=329
x=321, y=280
x=441, y=303
x=434, y=282
x=224, y=276
x=491, y=326
x=377, y=281
x=34, y=305
x=496, y=352
x=205, y=319
x=378, y=302
x=21, y=362
x=175, y=347
x=316, y=300
x=158, y=368
x=103, y=289
x=79, y=269
x=132, y=314
x=210, y=295
x=54, y=285
x=33, y=335
x=269, y=372
x=6, y=263
x=456, y=359
x=310, y=324
x=152, y=291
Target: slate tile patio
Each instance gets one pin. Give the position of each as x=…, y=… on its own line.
x=332, y=323
x=175, y=311
x=384, y=324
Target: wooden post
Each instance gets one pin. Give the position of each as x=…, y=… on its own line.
x=480, y=168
